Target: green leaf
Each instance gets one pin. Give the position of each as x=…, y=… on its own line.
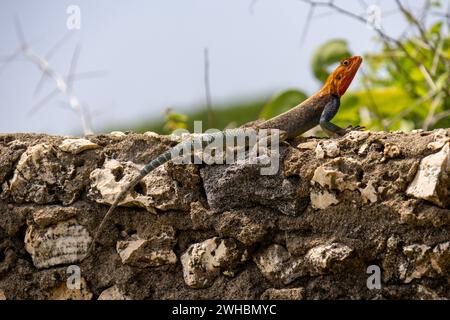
x=177, y=117
x=328, y=54
x=282, y=102
x=436, y=28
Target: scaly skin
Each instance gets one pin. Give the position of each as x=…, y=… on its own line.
x=310, y=112
x=318, y=109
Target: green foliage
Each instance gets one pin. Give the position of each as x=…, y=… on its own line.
x=232, y=115
x=174, y=121
x=405, y=85
x=418, y=68
x=282, y=102
x=327, y=55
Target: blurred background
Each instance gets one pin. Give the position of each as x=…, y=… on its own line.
x=74, y=67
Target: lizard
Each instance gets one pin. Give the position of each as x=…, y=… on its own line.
x=318, y=109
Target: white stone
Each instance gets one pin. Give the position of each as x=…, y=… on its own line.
x=64, y=243
x=418, y=262
x=369, y=193
x=159, y=190
x=357, y=136
x=112, y=293
x=202, y=262
x=328, y=148
x=322, y=257
x=277, y=265
x=199, y=265
x=322, y=199
x=153, y=252
x=331, y=178
x=363, y=148
x=440, y=138
x=309, y=145
x=151, y=134
x=429, y=184
x=76, y=146
x=117, y=134
x=422, y=260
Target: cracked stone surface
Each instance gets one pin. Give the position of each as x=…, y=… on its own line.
x=335, y=207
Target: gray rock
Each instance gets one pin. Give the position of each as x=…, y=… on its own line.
x=242, y=185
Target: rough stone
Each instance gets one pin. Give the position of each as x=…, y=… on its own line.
x=310, y=145
x=322, y=258
x=440, y=138
x=112, y=293
x=247, y=226
x=284, y=294
x=323, y=199
x=369, y=193
x=256, y=246
x=391, y=151
x=201, y=217
x=53, y=214
x=328, y=149
x=338, y=174
x=202, y=262
x=241, y=185
x=66, y=242
x=423, y=260
x=76, y=146
x=156, y=191
x=45, y=175
x=432, y=181
x=277, y=265
x=62, y=292
x=153, y=252
x=117, y=134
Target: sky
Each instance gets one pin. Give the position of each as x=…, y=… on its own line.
x=152, y=55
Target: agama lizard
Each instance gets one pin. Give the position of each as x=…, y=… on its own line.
x=318, y=109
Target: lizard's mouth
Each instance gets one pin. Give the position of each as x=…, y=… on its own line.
x=358, y=61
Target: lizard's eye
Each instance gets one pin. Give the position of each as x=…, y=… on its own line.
x=339, y=77
x=345, y=63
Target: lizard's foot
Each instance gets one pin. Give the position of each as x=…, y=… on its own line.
x=350, y=128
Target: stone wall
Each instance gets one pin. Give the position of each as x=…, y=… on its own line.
x=338, y=211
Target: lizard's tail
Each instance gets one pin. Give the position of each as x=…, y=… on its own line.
x=149, y=167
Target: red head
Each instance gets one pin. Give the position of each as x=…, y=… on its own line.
x=338, y=81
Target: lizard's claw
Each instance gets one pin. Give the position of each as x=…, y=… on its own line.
x=356, y=128
x=350, y=128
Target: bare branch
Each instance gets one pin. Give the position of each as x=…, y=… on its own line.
x=307, y=24
x=87, y=75
x=73, y=66
x=9, y=59
x=387, y=40
x=43, y=102
x=415, y=22
x=48, y=56
x=19, y=32
x=430, y=117
x=252, y=6
x=59, y=44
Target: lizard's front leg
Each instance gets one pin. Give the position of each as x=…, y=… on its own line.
x=329, y=111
